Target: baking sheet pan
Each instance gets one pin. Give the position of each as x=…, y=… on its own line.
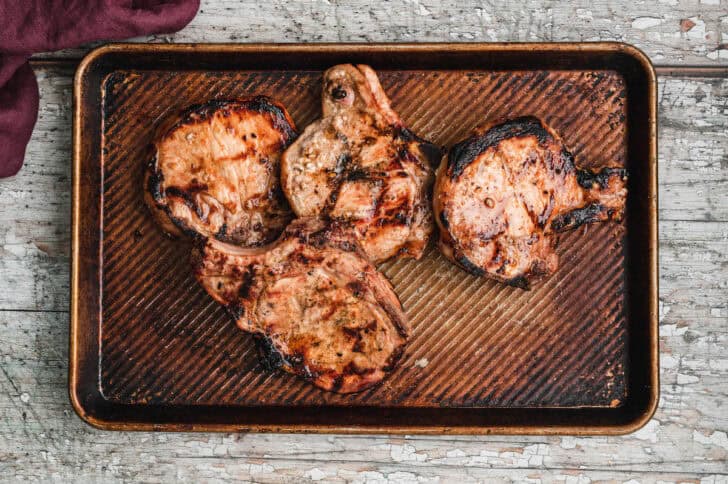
x=576, y=354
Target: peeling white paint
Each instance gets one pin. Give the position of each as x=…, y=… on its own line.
x=421, y=9
x=315, y=474
x=580, y=479
x=455, y=453
x=697, y=32
x=584, y=14
x=663, y=309
x=718, y=54
x=672, y=330
x=568, y=442
x=646, y=22
x=408, y=478
x=683, y=379
x=257, y=469
x=649, y=431
x=718, y=364
x=369, y=477
x=668, y=361
x=717, y=438
x=406, y=453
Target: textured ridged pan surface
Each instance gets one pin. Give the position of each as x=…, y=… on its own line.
x=474, y=342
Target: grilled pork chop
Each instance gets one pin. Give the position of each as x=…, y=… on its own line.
x=318, y=307
x=501, y=195
x=359, y=164
x=215, y=172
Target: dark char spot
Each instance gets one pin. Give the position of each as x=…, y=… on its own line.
x=186, y=197
x=587, y=178
x=431, y=152
x=155, y=181
x=270, y=358
x=469, y=266
x=520, y=282
x=465, y=152
x=591, y=213
x=443, y=219
x=237, y=311
x=246, y=283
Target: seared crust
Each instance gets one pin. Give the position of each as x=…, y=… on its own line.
x=319, y=309
x=215, y=172
x=501, y=194
x=359, y=165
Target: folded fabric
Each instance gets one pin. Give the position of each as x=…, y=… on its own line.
x=30, y=26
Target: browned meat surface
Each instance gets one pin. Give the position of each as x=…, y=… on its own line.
x=215, y=172
x=502, y=194
x=318, y=306
x=359, y=164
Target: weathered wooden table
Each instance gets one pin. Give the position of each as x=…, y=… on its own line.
x=42, y=439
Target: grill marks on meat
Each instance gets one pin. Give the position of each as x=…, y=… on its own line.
x=501, y=195
x=318, y=307
x=360, y=165
x=215, y=172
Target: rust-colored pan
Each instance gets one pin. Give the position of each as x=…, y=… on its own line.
x=577, y=354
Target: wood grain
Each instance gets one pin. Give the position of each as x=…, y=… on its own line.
x=669, y=31
x=41, y=438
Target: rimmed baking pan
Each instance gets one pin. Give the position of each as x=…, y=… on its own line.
x=577, y=354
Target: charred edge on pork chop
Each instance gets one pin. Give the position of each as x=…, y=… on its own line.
x=577, y=197
x=314, y=303
x=273, y=201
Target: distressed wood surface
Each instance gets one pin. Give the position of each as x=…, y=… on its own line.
x=669, y=31
x=41, y=438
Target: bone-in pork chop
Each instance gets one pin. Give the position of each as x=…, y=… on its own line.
x=502, y=194
x=359, y=164
x=318, y=307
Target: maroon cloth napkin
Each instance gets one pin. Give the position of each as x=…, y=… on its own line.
x=29, y=26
